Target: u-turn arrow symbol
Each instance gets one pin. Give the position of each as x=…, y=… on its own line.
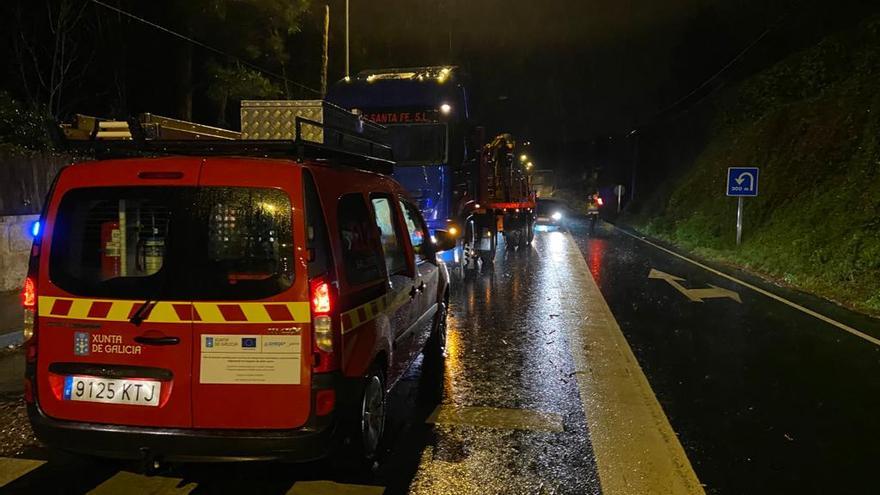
x=742, y=178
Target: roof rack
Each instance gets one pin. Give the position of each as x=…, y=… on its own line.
x=152, y=135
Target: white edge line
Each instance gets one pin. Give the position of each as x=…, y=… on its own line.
x=844, y=327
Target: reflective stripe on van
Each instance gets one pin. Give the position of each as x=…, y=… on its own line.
x=175, y=311
x=371, y=310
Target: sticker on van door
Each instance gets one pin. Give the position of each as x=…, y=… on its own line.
x=250, y=359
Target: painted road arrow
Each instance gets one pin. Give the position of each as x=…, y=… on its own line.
x=695, y=295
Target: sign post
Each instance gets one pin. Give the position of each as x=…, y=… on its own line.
x=742, y=182
x=619, y=190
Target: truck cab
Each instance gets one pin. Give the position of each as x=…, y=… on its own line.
x=426, y=112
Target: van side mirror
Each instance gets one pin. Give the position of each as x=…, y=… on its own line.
x=443, y=240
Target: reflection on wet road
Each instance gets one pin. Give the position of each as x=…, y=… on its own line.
x=541, y=393
x=509, y=359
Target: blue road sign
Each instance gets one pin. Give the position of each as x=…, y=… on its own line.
x=742, y=181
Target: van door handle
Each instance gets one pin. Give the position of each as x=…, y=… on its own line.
x=157, y=340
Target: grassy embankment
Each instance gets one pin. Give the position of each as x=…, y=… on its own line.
x=812, y=123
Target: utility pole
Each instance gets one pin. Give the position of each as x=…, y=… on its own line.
x=325, y=58
x=635, y=164
x=347, y=67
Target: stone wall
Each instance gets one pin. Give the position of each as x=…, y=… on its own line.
x=15, y=244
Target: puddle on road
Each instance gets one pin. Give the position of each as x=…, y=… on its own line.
x=498, y=418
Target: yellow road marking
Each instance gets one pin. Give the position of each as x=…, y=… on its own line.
x=491, y=417
x=331, y=488
x=819, y=316
x=12, y=468
x=636, y=449
x=137, y=484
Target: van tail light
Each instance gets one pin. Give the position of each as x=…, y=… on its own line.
x=29, y=299
x=321, y=297
x=29, y=293
x=29, y=303
x=325, y=333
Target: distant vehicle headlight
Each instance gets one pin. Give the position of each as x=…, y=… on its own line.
x=556, y=216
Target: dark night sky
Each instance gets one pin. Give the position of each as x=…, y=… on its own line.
x=561, y=72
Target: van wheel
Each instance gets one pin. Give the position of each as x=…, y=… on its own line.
x=364, y=429
x=372, y=415
x=436, y=347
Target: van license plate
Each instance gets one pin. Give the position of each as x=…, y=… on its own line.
x=93, y=389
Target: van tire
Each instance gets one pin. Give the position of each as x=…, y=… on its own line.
x=435, y=349
x=360, y=452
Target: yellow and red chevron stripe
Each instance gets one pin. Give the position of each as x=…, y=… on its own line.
x=175, y=311
x=371, y=310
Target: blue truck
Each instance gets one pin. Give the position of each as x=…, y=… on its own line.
x=462, y=185
x=426, y=112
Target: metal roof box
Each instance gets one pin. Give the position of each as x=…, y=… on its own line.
x=276, y=120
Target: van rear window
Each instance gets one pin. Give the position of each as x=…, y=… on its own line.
x=173, y=243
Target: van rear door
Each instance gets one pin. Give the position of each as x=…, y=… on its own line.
x=252, y=353
x=114, y=340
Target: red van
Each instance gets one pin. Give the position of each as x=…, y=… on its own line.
x=213, y=307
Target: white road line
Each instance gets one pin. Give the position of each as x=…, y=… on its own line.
x=842, y=326
x=635, y=447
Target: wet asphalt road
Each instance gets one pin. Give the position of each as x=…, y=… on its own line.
x=764, y=398
x=516, y=423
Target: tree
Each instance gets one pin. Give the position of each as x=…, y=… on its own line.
x=255, y=30
x=51, y=50
x=195, y=19
x=282, y=20
x=236, y=83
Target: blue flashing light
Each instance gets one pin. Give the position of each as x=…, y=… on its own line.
x=35, y=228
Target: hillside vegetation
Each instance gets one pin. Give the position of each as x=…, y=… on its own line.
x=812, y=123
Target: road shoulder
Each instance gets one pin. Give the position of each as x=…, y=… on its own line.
x=636, y=449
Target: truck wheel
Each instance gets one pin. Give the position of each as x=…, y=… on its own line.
x=531, y=232
x=461, y=249
x=468, y=249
